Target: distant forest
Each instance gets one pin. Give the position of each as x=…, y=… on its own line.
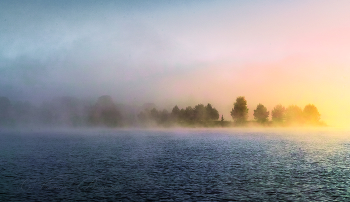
x=73, y=112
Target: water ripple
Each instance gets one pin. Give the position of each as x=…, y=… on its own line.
x=135, y=165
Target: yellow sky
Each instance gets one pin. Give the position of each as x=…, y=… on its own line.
x=295, y=81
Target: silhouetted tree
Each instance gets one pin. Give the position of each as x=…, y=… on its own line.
x=104, y=112
x=200, y=113
x=212, y=113
x=154, y=114
x=164, y=117
x=294, y=114
x=261, y=114
x=175, y=113
x=311, y=114
x=189, y=114
x=182, y=116
x=222, y=118
x=278, y=113
x=239, y=112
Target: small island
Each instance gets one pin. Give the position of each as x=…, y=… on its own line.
x=208, y=116
x=73, y=112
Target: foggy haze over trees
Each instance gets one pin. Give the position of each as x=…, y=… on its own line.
x=148, y=51
x=105, y=112
x=311, y=114
x=198, y=115
x=261, y=114
x=294, y=115
x=278, y=113
x=239, y=112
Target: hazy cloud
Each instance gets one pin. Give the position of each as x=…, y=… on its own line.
x=168, y=51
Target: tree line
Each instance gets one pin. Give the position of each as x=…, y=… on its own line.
x=73, y=112
x=201, y=115
x=197, y=115
x=292, y=115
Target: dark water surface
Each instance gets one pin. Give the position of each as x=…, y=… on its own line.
x=174, y=165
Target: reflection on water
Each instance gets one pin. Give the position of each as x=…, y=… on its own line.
x=174, y=165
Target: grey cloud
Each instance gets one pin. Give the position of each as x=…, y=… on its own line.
x=60, y=52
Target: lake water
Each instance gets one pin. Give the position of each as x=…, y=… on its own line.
x=174, y=165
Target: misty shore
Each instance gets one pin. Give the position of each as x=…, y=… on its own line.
x=72, y=112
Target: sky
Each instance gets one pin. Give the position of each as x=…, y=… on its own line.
x=180, y=52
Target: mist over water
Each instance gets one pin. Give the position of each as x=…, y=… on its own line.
x=181, y=164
